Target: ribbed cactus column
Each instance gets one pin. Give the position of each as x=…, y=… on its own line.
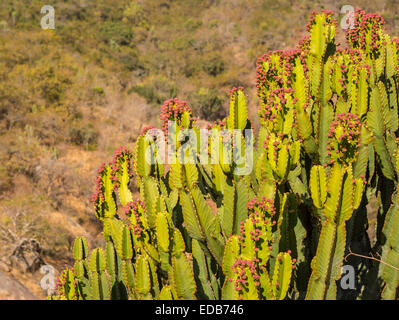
x=337, y=198
x=246, y=262
x=388, y=271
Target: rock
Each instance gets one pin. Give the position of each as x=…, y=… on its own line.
x=26, y=256
x=12, y=289
x=4, y=266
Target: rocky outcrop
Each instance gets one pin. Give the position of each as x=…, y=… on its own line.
x=26, y=256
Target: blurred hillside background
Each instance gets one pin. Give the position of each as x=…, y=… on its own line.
x=70, y=96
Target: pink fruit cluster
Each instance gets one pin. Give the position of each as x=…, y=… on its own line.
x=278, y=143
x=352, y=55
x=234, y=91
x=172, y=110
x=276, y=68
x=258, y=208
x=365, y=67
x=277, y=71
x=260, y=212
x=304, y=47
x=122, y=156
x=62, y=281
x=97, y=198
x=218, y=124
x=136, y=208
x=146, y=129
x=365, y=33
x=344, y=138
x=244, y=268
x=329, y=15
x=352, y=62
x=275, y=107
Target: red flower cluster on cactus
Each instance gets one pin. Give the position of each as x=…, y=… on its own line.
x=172, y=110
x=365, y=67
x=365, y=33
x=244, y=268
x=218, y=124
x=154, y=133
x=344, y=138
x=277, y=67
x=262, y=204
x=97, y=198
x=303, y=46
x=329, y=15
x=260, y=212
x=278, y=144
x=234, y=91
x=136, y=208
x=274, y=109
x=122, y=156
x=62, y=281
x=348, y=60
x=353, y=55
x=146, y=129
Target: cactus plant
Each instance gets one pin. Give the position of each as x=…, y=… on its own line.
x=213, y=223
